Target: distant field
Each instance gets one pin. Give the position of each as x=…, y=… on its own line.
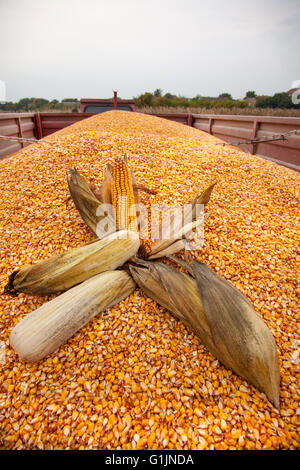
x=244, y=111
x=166, y=110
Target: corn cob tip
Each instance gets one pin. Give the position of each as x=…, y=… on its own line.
x=9, y=288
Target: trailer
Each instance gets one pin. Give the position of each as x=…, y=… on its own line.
x=285, y=151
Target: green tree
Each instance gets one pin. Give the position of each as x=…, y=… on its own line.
x=39, y=103
x=279, y=100
x=157, y=92
x=225, y=96
x=250, y=94
x=224, y=103
x=25, y=104
x=8, y=106
x=72, y=100
x=169, y=96
x=145, y=99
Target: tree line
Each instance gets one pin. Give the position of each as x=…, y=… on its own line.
x=159, y=99
x=40, y=104
x=156, y=99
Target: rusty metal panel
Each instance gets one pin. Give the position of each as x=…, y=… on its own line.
x=283, y=151
x=4, y=115
x=52, y=122
x=9, y=128
x=232, y=132
x=27, y=126
x=28, y=129
x=38, y=126
x=6, y=149
x=227, y=127
x=287, y=157
x=15, y=125
x=182, y=118
x=236, y=127
x=234, y=124
x=201, y=123
x=277, y=127
x=203, y=126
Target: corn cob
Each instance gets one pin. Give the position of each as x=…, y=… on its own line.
x=60, y=272
x=123, y=197
x=47, y=328
x=116, y=190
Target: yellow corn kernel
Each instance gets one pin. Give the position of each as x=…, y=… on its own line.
x=123, y=196
x=250, y=239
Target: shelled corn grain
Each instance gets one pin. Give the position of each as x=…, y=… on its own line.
x=135, y=377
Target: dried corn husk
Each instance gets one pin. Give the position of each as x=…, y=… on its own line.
x=176, y=291
x=106, y=187
x=244, y=342
x=221, y=316
x=178, y=232
x=88, y=206
x=60, y=272
x=47, y=328
x=176, y=242
x=95, y=205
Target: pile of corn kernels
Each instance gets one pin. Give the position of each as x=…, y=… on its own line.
x=135, y=377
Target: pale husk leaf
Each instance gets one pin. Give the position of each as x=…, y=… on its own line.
x=44, y=330
x=162, y=248
x=202, y=198
x=177, y=230
x=106, y=187
x=61, y=272
x=178, y=245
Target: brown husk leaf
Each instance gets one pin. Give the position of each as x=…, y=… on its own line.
x=87, y=203
x=220, y=315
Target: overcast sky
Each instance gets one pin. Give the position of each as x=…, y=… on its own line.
x=87, y=48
